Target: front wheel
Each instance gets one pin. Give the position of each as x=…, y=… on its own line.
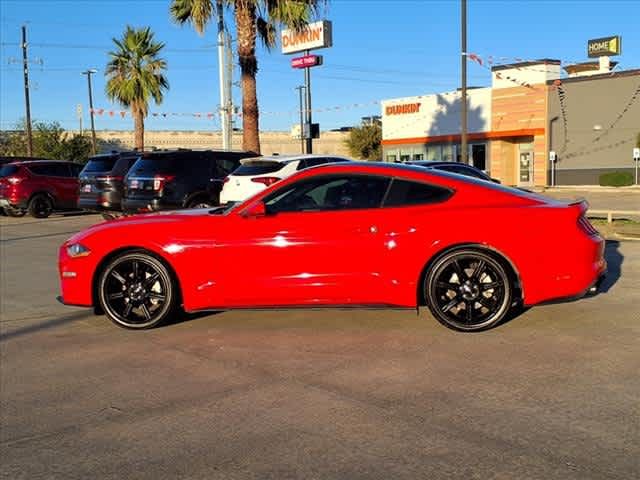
x=137, y=291
x=200, y=203
x=468, y=290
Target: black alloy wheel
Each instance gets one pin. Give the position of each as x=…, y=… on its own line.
x=136, y=291
x=468, y=290
x=40, y=206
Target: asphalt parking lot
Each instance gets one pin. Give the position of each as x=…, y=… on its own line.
x=345, y=394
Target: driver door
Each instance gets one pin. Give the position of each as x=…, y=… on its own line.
x=316, y=245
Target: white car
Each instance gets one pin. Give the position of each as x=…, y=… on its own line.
x=255, y=174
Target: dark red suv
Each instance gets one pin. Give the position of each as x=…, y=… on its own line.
x=38, y=187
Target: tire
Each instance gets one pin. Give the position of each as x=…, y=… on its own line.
x=468, y=290
x=15, y=212
x=136, y=290
x=200, y=202
x=40, y=206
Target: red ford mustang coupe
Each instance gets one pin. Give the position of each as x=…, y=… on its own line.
x=352, y=234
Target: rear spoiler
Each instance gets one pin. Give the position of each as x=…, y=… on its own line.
x=580, y=205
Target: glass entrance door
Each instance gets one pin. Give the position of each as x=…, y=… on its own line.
x=525, y=177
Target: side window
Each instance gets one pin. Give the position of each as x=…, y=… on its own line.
x=313, y=162
x=40, y=169
x=405, y=192
x=62, y=170
x=75, y=169
x=330, y=193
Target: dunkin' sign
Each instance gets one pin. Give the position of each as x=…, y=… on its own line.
x=315, y=35
x=402, y=109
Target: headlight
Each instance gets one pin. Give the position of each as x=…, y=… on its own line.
x=77, y=250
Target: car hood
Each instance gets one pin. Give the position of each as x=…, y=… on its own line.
x=152, y=226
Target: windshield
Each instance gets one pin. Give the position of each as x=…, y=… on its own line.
x=7, y=170
x=100, y=164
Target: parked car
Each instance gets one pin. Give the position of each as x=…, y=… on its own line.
x=38, y=187
x=255, y=174
x=166, y=180
x=349, y=234
x=455, y=167
x=101, y=182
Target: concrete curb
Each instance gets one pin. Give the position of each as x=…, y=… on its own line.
x=591, y=188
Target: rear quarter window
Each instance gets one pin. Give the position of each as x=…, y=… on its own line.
x=406, y=192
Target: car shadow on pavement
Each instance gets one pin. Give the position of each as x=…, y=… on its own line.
x=37, y=327
x=615, y=259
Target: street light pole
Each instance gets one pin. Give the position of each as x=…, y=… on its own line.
x=88, y=73
x=25, y=67
x=463, y=92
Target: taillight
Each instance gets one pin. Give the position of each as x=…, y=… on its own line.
x=159, y=181
x=266, y=180
x=109, y=178
x=14, y=180
x=586, y=226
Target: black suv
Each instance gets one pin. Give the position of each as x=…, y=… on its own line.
x=101, y=182
x=166, y=180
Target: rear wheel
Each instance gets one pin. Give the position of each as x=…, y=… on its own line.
x=201, y=202
x=40, y=206
x=468, y=290
x=137, y=291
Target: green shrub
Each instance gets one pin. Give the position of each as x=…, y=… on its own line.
x=616, y=179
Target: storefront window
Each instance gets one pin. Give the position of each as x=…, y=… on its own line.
x=434, y=153
x=418, y=156
x=447, y=153
x=405, y=157
x=391, y=158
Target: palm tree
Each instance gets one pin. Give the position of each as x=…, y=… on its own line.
x=135, y=74
x=253, y=18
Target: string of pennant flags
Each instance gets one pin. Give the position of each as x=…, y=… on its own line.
x=212, y=115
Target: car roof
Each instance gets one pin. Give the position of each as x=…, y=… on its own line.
x=289, y=158
x=26, y=163
x=435, y=164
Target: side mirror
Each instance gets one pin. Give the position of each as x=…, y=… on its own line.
x=258, y=209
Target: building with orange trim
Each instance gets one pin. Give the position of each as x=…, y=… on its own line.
x=515, y=124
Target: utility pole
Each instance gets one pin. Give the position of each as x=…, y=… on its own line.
x=27, y=104
x=224, y=125
x=228, y=92
x=301, y=103
x=463, y=92
x=88, y=73
x=307, y=86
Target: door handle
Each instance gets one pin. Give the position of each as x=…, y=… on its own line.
x=373, y=229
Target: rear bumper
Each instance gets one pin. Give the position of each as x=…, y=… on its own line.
x=101, y=201
x=17, y=203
